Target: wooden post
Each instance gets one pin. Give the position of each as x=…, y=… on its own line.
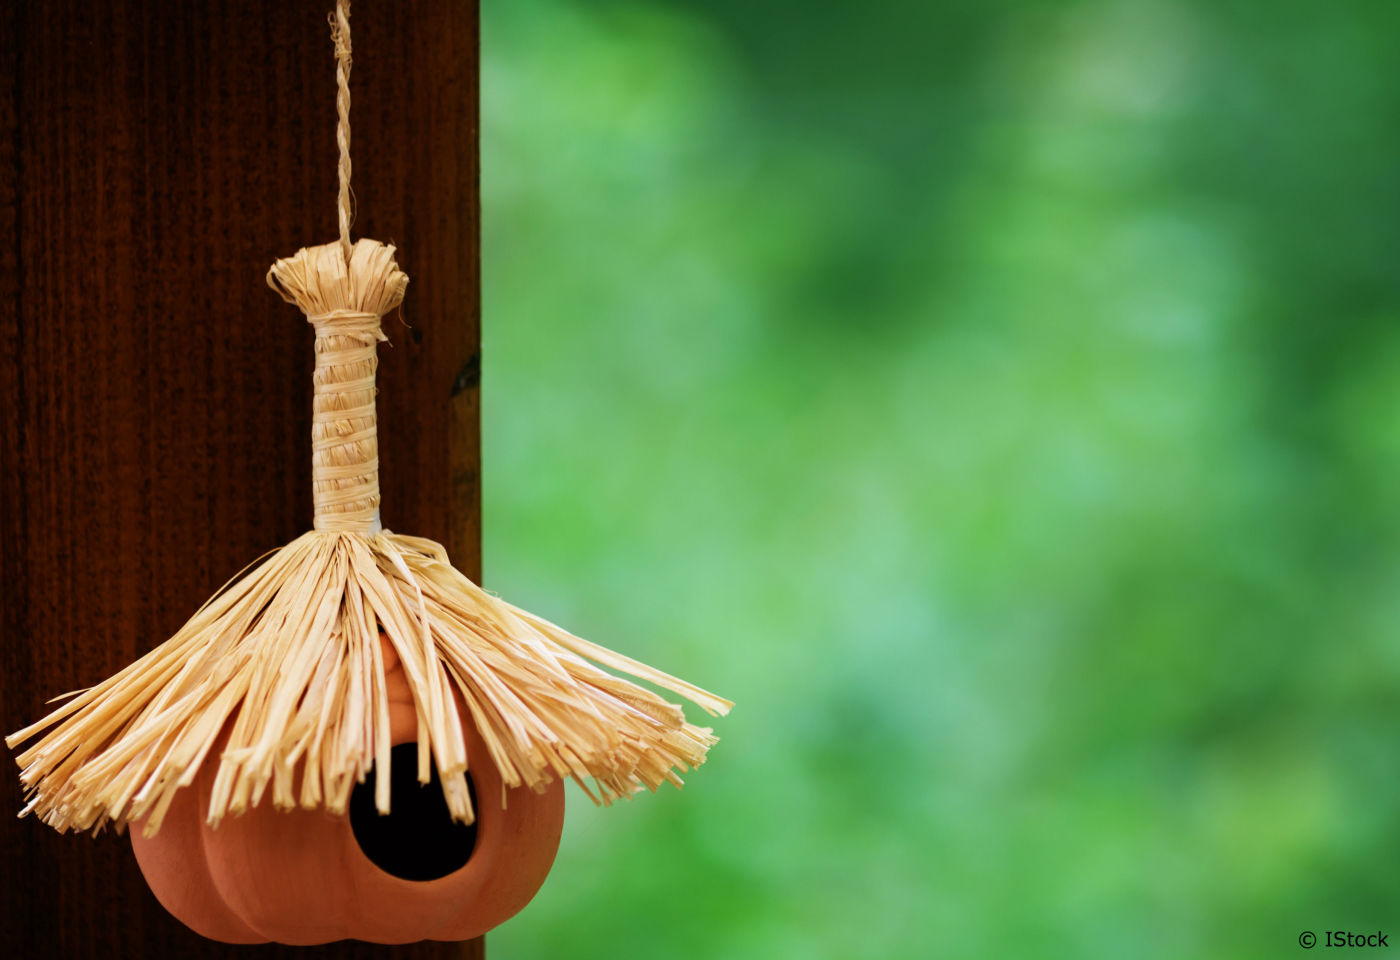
x=155, y=158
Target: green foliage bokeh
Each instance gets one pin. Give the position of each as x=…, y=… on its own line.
x=1000, y=401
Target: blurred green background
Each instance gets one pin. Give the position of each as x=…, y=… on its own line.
x=1000, y=401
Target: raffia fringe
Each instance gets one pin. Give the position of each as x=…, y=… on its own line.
x=288, y=661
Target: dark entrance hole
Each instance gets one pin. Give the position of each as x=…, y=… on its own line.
x=417, y=839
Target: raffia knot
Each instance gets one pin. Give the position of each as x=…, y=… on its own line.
x=322, y=283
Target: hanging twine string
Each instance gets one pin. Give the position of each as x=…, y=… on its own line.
x=340, y=36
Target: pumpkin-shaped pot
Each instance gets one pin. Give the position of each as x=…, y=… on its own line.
x=303, y=877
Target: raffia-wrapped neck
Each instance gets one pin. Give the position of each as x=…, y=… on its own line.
x=345, y=303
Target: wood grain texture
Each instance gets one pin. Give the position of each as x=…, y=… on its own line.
x=155, y=158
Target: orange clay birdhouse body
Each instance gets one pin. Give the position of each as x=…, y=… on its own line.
x=306, y=877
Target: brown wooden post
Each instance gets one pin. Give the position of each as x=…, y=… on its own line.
x=155, y=158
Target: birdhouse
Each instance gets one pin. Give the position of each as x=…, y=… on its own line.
x=352, y=739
